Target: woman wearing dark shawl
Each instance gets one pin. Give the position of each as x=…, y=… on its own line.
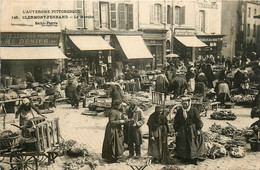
x=189, y=138
x=158, y=132
x=113, y=142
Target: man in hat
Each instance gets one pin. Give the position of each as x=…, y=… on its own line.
x=133, y=135
x=158, y=132
x=24, y=110
x=189, y=138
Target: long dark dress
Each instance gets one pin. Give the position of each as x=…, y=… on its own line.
x=189, y=145
x=158, y=128
x=179, y=85
x=113, y=141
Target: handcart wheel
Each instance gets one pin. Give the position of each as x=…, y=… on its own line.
x=24, y=163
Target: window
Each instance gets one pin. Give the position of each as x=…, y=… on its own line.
x=103, y=6
x=255, y=11
x=169, y=14
x=177, y=14
x=113, y=17
x=202, y=21
x=129, y=16
x=121, y=16
x=249, y=12
x=248, y=29
x=80, y=18
x=157, y=14
x=254, y=30
x=96, y=15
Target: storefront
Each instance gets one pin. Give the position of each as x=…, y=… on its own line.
x=88, y=50
x=186, y=44
x=134, y=49
x=37, y=53
x=214, y=45
x=110, y=50
x=156, y=43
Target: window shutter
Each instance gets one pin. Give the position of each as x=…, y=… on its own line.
x=122, y=19
x=164, y=13
x=130, y=16
x=85, y=18
x=113, y=16
x=96, y=15
x=79, y=6
x=182, y=15
x=151, y=14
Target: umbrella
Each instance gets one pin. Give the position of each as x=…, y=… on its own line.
x=172, y=55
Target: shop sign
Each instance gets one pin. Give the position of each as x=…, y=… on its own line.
x=210, y=39
x=208, y=5
x=184, y=32
x=29, y=39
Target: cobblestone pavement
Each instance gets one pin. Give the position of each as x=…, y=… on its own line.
x=89, y=130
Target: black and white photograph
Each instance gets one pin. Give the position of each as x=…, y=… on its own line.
x=129, y=84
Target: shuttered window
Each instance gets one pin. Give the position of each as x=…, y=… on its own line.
x=122, y=16
x=169, y=14
x=164, y=13
x=182, y=15
x=177, y=14
x=130, y=21
x=104, y=15
x=80, y=19
x=202, y=21
x=113, y=17
x=96, y=15
x=157, y=14
x=151, y=14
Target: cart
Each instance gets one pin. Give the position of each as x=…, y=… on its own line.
x=47, y=145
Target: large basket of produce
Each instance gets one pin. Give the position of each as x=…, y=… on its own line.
x=255, y=144
x=223, y=115
x=8, y=140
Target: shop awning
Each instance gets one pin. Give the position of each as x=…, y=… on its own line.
x=31, y=53
x=190, y=41
x=90, y=42
x=134, y=47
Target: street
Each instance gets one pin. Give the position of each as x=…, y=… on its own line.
x=90, y=130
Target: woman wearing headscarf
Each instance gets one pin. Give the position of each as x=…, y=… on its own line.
x=113, y=144
x=24, y=111
x=158, y=132
x=189, y=138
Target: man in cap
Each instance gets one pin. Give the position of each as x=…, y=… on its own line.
x=133, y=135
x=24, y=110
x=158, y=132
x=189, y=138
x=71, y=93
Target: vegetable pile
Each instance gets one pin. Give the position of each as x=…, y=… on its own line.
x=228, y=140
x=223, y=115
x=78, y=156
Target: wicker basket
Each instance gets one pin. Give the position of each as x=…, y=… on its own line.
x=9, y=142
x=255, y=145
